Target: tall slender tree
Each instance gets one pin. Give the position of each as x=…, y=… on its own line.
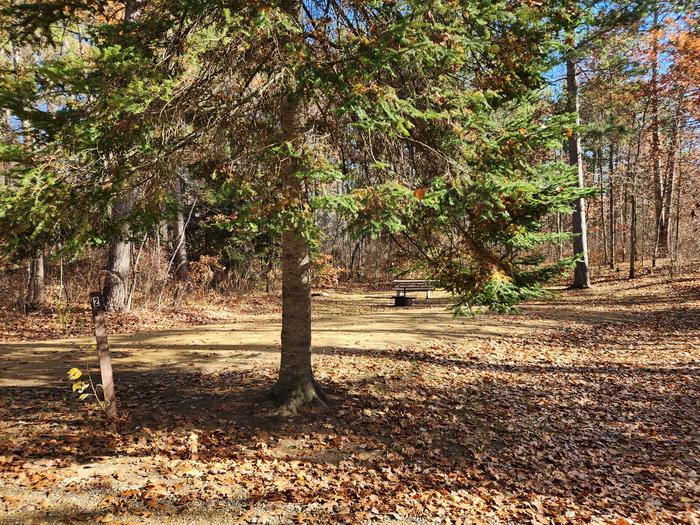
x=582, y=278
x=180, y=259
x=36, y=289
x=661, y=232
x=612, y=223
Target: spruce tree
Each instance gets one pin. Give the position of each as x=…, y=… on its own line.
x=427, y=111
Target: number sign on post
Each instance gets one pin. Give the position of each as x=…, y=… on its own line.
x=98, y=320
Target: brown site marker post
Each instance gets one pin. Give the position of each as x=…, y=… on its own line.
x=98, y=319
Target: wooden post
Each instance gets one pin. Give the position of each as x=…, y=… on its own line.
x=98, y=319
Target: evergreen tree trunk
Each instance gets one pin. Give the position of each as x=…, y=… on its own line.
x=181, y=265
x=296, y=386
x=116, y=286
x=115, y=290
x=36, y=289
x=581, y=274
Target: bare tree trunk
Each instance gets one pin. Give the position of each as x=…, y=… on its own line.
x=641, y=239
x=611, y=205
x=660, y=246
x=625, y=218
x=268, y=272
x=679, y=195
x=626, y=206
x=296, y=386
x=581, y=274
x=670, y=179
x=181, y=265
x=116, y=286
x=633, y=170
x=560, y=230
x=665, y=226
x=603, y=223
x=36, y=289
x=633, y=216
x=633, y=231
x=354, y=257
x=676, y=249
x=61, y=284
x=164, y=232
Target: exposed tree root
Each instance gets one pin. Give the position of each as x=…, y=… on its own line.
x=293, y=397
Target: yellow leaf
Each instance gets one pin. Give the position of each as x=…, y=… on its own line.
x=522, y=131
x=499, y=276
x=419, y=193
x=569, y=132
x=80, y=386
x=74, y=374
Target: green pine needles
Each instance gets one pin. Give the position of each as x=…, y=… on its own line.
x=422, y=120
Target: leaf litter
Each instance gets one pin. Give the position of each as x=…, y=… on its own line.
x=594, y=420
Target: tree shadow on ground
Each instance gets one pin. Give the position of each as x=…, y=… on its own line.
x=622, y=435
x=599, y=433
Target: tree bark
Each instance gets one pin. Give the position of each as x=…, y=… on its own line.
x=611, y=205
x=676, y=248
x=660, y=245
x=634, y=169
x=269, y=265
x=560, y=230
x=181, y=264
x=116, y=286
x=603, y=222
x=633, y=232
x=164, y=233
x=580, y=242
x=354, y=257
x=36, y=289
x=296, y=386
x=670, y=180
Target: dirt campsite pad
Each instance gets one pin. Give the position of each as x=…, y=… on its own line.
x=584, y=409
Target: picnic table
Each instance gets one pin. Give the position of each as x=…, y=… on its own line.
x=403, y=286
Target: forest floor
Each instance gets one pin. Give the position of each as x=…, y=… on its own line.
x=582, y=409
